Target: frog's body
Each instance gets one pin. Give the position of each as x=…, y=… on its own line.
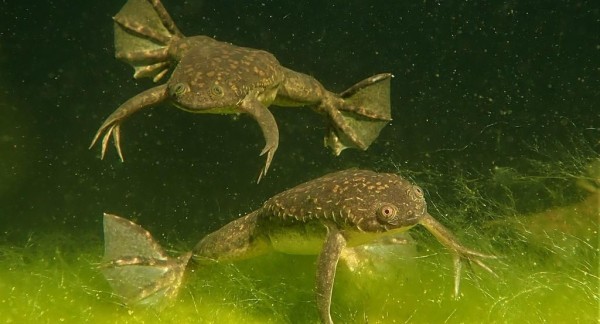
x=323, y=216
x=221, y=78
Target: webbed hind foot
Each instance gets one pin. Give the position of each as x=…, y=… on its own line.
x=136, y=267
x=143, y=32
x=363, y=111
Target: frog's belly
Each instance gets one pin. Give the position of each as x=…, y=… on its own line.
x=308, y=239
x=303, y=239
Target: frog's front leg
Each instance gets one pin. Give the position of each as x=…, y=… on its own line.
x=326, y=267
x=252, y=106
x=112, y=124
x=460, y=253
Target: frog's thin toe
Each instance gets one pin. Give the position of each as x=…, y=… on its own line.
x=484, y=266
x=105, y=140
x=115, y=131
x=468, y=257
x=474, y=256
x=270, y=151
x=95, y=139
x=117, y=140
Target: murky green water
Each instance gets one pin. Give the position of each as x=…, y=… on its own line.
x=495, y=114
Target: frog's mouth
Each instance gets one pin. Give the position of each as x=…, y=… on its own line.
x=225, y=110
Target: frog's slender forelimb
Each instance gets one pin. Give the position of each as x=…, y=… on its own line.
x=268, y=126
x=460, y=253
x=326, y=267
x=111, y=125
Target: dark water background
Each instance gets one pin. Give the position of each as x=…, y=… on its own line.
x=478, y=85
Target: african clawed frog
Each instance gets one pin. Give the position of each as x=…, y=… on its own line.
x=216, y=77
x=323, y=216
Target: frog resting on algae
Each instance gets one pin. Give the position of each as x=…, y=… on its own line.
x=324, y=216
x=216, y=77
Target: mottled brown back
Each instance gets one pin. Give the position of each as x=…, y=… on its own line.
x=344, y=197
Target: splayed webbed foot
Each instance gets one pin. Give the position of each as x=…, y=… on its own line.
x=136, y=267
x=358, y=114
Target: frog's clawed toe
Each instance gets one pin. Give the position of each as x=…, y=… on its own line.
x=469, y=256
x=270, y=151
x=115, y=131
x=474, y=257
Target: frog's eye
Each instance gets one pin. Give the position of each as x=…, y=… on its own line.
x=387, y=213
x=217, y=91
x=179, y=89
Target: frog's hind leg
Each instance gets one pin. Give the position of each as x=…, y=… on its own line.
x=136, y=267
x=363, y=111
x=143, y=32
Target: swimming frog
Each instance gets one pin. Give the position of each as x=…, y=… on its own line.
x=216, y=77
x=321, y=217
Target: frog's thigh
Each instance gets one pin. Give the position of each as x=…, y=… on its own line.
x=235, y=241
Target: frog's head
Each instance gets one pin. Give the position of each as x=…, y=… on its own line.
x=396, y=204
x=199, y=90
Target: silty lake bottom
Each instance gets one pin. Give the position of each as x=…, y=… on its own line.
x=495, y=111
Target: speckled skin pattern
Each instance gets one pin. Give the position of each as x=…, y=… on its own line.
x=217, y=76
x=356, y=202
x=351, y=199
